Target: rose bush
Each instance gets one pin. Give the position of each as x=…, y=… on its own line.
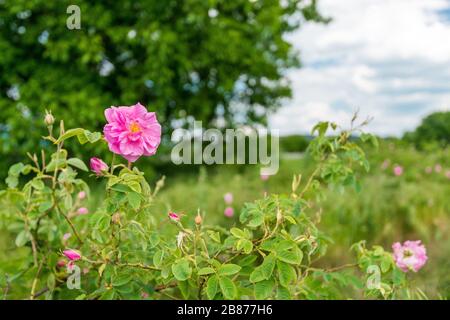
x=127, y=251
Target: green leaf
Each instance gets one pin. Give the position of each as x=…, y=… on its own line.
x=293, y=256
x=44, y=206
x=212, y=286
x=181, y=270
x=228, y=288
x=229, y=269
x=205, y=271
x=37, y=184
x=283, y=293
x=184, y=288
x=77, y=163
x=69, y=134
x=158, y=258
x=238, y=233
x=264, y=289
x=244, y=245
x=265, y=270
x=134, y=199
x=22, y=238
x=121, y=280
x=286, y=273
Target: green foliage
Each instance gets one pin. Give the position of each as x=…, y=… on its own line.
x=126, y=251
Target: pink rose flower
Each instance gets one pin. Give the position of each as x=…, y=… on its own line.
x=132, y=132
x=66, y=236
x=398, y=170
x=72, y=255
x=229, y=212
x=98, y=166
x=264, y=177
x=228, y=198
x=174, y=217
x=83, y=211
x=412, y=255
x=81, y=195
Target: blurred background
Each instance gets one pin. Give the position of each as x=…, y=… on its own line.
x=261, y=63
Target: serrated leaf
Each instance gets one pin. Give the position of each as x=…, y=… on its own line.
x=77, y=163
x=264, y=289
x=228, y=288
x=212, y=286
x=292, y=256
x=182, y=270
x=22, y=238
x=205, y=271
x=229, y=269
x=69, y=134
x=286, y=273
x=265, y=270
x=158, y=258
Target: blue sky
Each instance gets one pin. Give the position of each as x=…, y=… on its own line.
x=388, y=58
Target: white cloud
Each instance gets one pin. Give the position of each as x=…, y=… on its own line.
x=390, y=58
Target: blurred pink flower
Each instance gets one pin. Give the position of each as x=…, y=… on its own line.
x=229, y=212
x=144, y=295
x=428, y=170
x=228, y=198
x=385, y=164
x=61, y=263
x=447, y=174
x=98, y=166
x=81, y=195
x=132, y=131
x=438, y=168
x=398, y=170
x=264, y=177
x=174, y=217
x=66, y=236
x=83, y=211
x=72, y=255
x=412, y=255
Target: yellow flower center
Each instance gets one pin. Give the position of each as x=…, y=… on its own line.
x=134, y=127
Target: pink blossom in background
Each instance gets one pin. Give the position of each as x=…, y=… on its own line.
x=412, y=255
x=72, y=255
x=229, y=212
x=144, y=295
x=264, y=177
x=438, y=168
x=66, y=236
x=428, y=170
x=174, y=217
x=83, y=211
x=132, y=131
x=385, y=164
x=398, y=170
x=228, y=198
x=81, y=195
x=98, y=166
x=447, y=174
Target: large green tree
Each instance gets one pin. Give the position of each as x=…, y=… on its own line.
x=181, y=58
